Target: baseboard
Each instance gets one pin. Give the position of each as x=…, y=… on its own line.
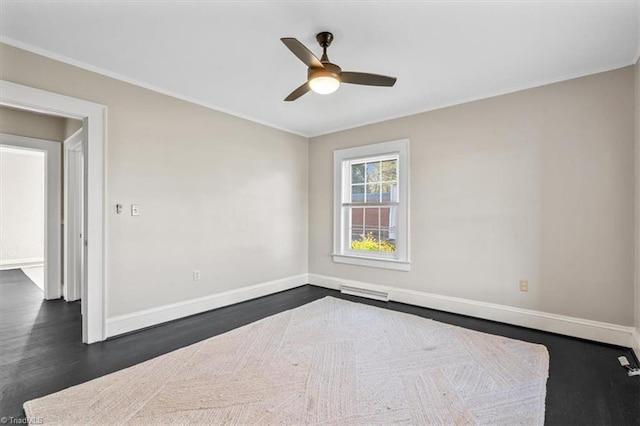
x=561, y=324
x=21, y=263
x=138, y=320
x=636, y=343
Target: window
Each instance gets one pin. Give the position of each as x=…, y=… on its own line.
x=371, y=192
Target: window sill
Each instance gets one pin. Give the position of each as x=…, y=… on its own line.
x=397, y=265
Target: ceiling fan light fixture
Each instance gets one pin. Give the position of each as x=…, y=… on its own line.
x=325, y=77
x=324, y=83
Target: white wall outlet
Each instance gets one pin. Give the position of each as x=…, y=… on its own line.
x=135, y=210
x=196, y=275
x=630, y=370
x=524, y=285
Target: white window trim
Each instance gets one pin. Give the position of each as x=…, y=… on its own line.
x=341, y=254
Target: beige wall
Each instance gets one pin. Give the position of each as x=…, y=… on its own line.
x=216, y=193
x=29, y=124
x=535, y=185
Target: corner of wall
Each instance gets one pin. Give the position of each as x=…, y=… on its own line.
x=308, y=218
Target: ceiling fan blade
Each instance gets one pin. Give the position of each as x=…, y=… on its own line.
x=367, y=79
x=302, y=52
x=298, y=92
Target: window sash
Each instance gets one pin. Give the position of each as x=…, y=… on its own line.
x=347, y=204
x=376, y=227
x=348, y=184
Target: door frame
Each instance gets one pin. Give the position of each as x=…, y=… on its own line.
x=52, y=207
x=72, y=193
x=93, y=116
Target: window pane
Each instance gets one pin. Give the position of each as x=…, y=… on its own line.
x=356, y=227
x=373, y=193
x=357, y=235
x=392, y=224
x=389, y=170
x=387, y=244
x=372, y=237
x=368, y=241
x=357, y=193
x=373, y=172
x=357, y=173
x=384, y=218
x=389, y=192
x=387, y=229
x=357, y=217
x=371, y=217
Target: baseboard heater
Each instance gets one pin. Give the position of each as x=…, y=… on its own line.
x=365, y=292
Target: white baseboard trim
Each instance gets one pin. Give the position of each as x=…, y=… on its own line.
x=21, y=263
x=636, y=342
x=561, y=324
x=135, y=321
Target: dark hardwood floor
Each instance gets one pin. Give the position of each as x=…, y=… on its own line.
x=42, y=352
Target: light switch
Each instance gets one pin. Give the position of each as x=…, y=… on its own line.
x=135, y=210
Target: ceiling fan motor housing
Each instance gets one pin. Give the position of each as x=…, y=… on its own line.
x=329, y=70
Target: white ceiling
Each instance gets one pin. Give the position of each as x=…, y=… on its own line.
x=228, y=55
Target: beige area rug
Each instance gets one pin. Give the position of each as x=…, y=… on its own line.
x=327, y=362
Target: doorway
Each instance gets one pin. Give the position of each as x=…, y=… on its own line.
x=93, y=130
x=52, y=242
x=22, y=212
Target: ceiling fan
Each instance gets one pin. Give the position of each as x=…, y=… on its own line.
x=325, y=77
